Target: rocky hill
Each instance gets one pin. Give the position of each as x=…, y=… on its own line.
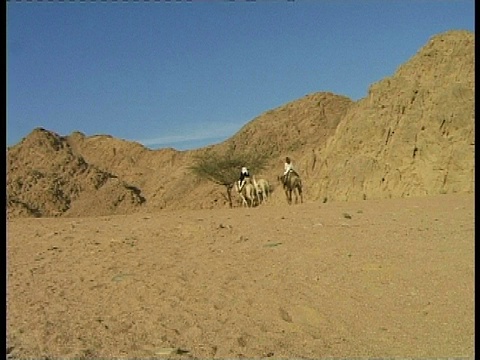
x=412, y=135
x=47, y=178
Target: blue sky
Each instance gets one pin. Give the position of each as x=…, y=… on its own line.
x=187, y=74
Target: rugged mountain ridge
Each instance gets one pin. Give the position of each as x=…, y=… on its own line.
x=46, y=178
x=412, y=135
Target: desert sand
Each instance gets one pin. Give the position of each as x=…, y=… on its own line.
x=373, y=278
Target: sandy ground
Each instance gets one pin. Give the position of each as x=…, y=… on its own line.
x=390, y=278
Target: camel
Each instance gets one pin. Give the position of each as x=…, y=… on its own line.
x=247, y=193
x=262, y=187
x=293, y=183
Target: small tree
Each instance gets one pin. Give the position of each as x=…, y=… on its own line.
x=224, y=169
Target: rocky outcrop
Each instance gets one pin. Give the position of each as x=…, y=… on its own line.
x=414, y=133
x=47, y=179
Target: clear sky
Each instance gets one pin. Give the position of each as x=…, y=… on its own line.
x=186, y=74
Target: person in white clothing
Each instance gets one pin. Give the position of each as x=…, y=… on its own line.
x=288, y=168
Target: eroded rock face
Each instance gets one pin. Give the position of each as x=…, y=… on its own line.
x=413, y=135
x=47, y=179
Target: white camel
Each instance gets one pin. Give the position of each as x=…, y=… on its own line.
x=262, y=187
x=247, y=193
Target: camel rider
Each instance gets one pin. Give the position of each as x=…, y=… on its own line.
x=243, y=175
x=288, y=168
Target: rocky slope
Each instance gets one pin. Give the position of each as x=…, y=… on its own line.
x=413, y=135
x=46, y=178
